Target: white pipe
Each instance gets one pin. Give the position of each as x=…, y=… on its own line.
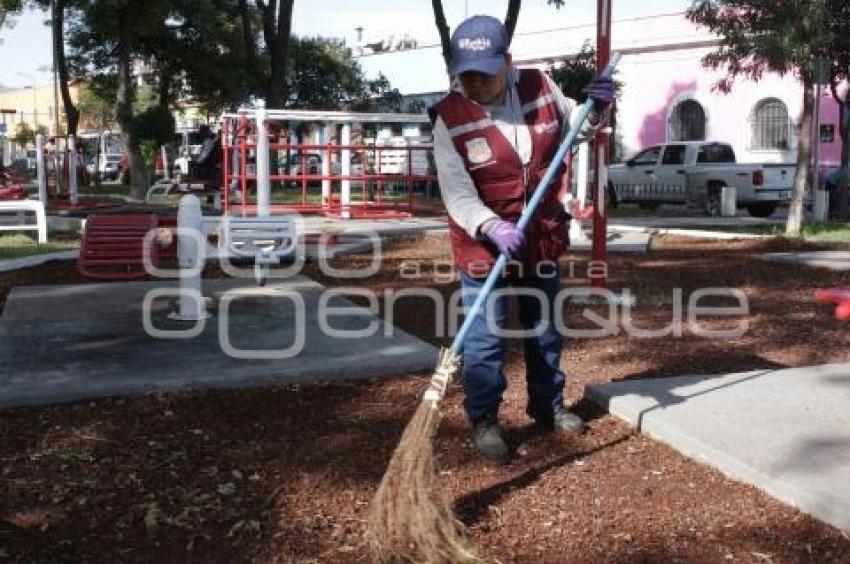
x=41, y=170
x=73, y=189
x=189, y=255
x=163, y=152
x=338, y=117
x=345, y=156
x=582, y=168
x=263, y=182
x=326, y=166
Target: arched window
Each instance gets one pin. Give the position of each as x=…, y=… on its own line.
x=687, y=122
x=771, y=126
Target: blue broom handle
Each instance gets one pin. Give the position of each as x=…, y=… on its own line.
x=528, y=212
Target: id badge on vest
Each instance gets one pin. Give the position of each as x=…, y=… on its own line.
x=478, y=151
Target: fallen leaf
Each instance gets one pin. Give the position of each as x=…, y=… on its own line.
x=152, y=517
x=226, y=489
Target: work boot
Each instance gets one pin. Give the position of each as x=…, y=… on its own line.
x=559, y=421
x=488, y=441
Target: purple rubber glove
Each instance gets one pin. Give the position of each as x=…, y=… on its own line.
x=601, y=90
x=505, y=236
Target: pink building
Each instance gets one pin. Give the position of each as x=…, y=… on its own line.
x=667, y=94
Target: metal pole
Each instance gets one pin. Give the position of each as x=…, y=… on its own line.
x=40, y=168
x=34, y=108
x=816, y=139
x=262, y=166
x=345, y=188
x=72, y=169
x=582, y=167
x=56, y=38
x=601, y=147
x=326, y=165
x=191, y=254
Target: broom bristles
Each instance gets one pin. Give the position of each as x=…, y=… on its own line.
x=410, y=518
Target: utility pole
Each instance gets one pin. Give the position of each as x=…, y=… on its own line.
x=34, y=108
x=601, y=154
x=56, y=34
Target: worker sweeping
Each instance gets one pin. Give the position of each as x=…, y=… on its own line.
x=499, y=142
x=494, y=139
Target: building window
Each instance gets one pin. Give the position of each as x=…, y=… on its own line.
x=687, y=122
x=771, y=126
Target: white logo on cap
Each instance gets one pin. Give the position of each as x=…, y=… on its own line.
x=477, y=44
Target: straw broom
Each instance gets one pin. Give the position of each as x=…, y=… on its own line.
x=410, y=517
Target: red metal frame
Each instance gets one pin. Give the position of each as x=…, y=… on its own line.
x=601, y=147
x=113, y=246
x=58, y=189
x=373, y=204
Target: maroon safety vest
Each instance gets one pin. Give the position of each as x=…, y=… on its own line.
x=502, y=183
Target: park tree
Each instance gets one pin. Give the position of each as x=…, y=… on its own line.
x=97, y=110
x=276, y=18
x=107, y=38
x=25, y=135
x=325, y=76
x=781, y=36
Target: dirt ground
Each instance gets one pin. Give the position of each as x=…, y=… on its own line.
x=285, y=474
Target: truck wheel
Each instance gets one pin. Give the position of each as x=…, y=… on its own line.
x=712, y=200
x=761, y=210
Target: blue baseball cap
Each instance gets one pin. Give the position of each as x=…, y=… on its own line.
x=479, y=44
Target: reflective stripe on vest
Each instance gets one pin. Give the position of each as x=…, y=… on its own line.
x=538, y=103
x=470, y=127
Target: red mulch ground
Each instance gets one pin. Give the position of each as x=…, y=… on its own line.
x=285, y=474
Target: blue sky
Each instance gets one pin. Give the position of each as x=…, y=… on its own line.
x=25, y=48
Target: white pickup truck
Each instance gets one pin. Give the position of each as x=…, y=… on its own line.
x=694, y=173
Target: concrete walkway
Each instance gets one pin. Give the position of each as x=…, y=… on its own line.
x=833, y=260
x=785, y=431
x=67, y=343
x=631, y=242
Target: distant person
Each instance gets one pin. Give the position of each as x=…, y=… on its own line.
x=208, y=165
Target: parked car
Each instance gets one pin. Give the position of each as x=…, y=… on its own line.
x=108, y=167
x=695, y=173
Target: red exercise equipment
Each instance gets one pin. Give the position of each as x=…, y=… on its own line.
x=838, y=296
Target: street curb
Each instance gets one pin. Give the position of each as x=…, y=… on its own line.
x=693, y=233
x=37, y=260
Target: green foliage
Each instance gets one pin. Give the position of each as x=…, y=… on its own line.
x=324, y=76
x=155, y=124
x=149, y=150
x=25, y=135
x=96, y=109
x=759, y=36
x=573, y=74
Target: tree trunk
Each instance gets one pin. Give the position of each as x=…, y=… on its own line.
x=794, y=226
x=248, y=36
x=164, y=88
x=512, y=17
x=277, y=27
x=72, y=114
x=443, y=28
x=124, y=110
